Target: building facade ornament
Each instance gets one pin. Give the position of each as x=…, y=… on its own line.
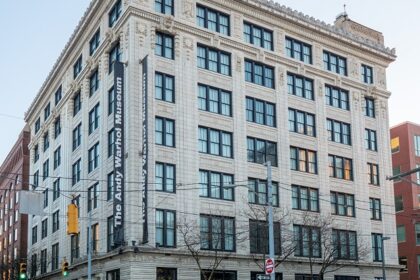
x=189, y=9
x=188, y=45
x=141, y=31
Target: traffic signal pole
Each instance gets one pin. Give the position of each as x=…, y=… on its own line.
x=270, y=219
x=90, y=246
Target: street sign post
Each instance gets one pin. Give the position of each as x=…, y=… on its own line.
x=269, y=266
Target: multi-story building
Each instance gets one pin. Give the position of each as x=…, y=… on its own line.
x=212, y=90
x=14, y=177
x=405, y=148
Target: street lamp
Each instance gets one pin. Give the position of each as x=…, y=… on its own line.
x=383, y=256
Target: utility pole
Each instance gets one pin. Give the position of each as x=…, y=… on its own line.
x=270, y=218
x=383, y=256
x=90, y=246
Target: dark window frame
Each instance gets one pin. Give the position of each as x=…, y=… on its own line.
x=369, y=107
x=349, y=210
x=207, y=186
x=327, y=59
x=209, y=238
x=95, y=42
x=291, y=52
x=77, y=67
x=205, y=19
x=165, y=78
x=218, y=62
x=114, y=13
x=341, y=101
x=93, y=83
x=77, y=103
x=373, y=174
x=258, y=237
x=294, y=123
x=208, y=142
x=339, y=252
x=163, y=47
x=262, y=31
x=367, y=74
x=264, y=79
x=333, y=134
x=165, y=228
x=371, y=140
x=375, y=209
x=164, y=132
x=164, y=166
x=251, y=113
x=252, y=152
x=254, y=193
x=298, y=239
x=208, y=101
x=160, y=7
x=298, y=160
x=334, y=167
x=300, y=200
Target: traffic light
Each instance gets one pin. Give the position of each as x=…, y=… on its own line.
x=72, y=219
x=65, y=268
x=22, y=271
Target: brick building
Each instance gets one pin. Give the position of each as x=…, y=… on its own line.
x=405, y=146
x=14, y=176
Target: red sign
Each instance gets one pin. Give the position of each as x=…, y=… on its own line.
x=269, y=266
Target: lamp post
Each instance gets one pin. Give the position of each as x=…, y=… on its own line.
x=270, y=217
x=383, y=256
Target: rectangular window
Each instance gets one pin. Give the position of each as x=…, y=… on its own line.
x=303, y=160
x=401, y=233
x=339, y=277
x=258, y=192
x=373, y=174
x=36, y=153
x=46, y=141
x=46, y=169
x=340, y=167
x=110, y=186
x=47, y=111
x=300, y=86
x=339, y=132
x=165, y=132
x=165, y=228
x=213, y=60
x=375, y=209
x=345, y=244
x=37, y=125
x=213, y=20
x=261, y=151
x=342, y=204
x=164, y=87
x=114, y=13
x=215, y=142
x=77, y=136
x=302, y=122
x=258, y=237
x=113, y=275
x=77, y=103
x=260, y=111
x=44, y=261
x=377, y=247
x=306, y=277
x=259, y=73
x=34, y=235
x=94, y=42
x=214, y=100
x=110, y=234
x=93, y=83
x=57, y=157
x=57, y=127
x=369, y=107
x=335, y=63
x=74, y=247
x=56, y=189
x=114, y=55
x=58, y=95
x=164, y=6
x=417, y=145
x=93, y=196
x=56, y=221
x=165, y=273
x=95, y=238
x=77, y=67
x=217, y=233
x=45, y=200
x=307, y=241
x=219, y=274
x=370, y=140
x=165, y=177
x=304, y=198
x=76, y=170
x=216, y=185
x=298, y=50
x=44, y=228
x=367, y=74
x=93, y=157
x=111, y=142
x=258, y=36
x=164, y=45
x=337, y=97
x=34, y=265
x=417, y=228
x=111, y=101
x=94, y=118
x=399, y=205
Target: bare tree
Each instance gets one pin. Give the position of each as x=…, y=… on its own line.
x=323, y=245
x=207, y=258
x=283, y=236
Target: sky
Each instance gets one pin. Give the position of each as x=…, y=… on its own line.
x=34, y=33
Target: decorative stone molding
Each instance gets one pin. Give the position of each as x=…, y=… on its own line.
x=384, y=108
x=301, y=69
x=177, y=46
x=280, y=41
x=153, y=37
x=237, y=26
x=89, y=64
x=281, y=77
x=141, y=31
x=318, y=55
x=215, y=41
x=380, y=77
x=238, y=62
x=189, y=9
x=167, y=23
x=356, y=99
x=104, y=62
x=188, y=46
x=125, y=36
x=320, y=87
x=261, y=55
x=354, y=68
x=111, y=36
x=338, y=81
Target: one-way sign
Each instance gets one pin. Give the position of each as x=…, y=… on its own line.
x=263, y=277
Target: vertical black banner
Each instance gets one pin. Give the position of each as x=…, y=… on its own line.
x=119, y=171
x=144, y=172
